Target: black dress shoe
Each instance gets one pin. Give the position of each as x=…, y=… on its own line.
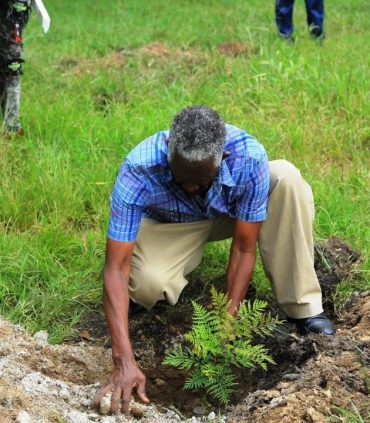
x=315, y=324
x=134, y=308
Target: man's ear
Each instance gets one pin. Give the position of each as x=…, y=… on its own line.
x=225, y=154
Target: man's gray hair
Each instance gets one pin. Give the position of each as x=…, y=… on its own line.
x=197, y=133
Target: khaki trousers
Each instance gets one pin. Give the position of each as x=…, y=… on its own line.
x=166, y=252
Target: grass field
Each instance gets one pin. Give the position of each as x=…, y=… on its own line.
x=85, y=105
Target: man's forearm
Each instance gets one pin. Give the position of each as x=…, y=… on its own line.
x=116, y=303
x=239, y=273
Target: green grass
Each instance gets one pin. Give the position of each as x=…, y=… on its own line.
x=350, y=416
x=308, y=103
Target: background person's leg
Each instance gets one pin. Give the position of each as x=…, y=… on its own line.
x=164, y=254
x=12, y=103
x=13, y=22
x=286, y=242
x=315, y=17
x=284, y=16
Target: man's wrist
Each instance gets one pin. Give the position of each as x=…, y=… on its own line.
x=119, y=359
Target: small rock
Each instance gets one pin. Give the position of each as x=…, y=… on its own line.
x=211, y=416
x=290, y=376
x=41, y=337
x=159, y=382
x=137, y=410
x=64, y=393
x=23, y=417
x=199, y=410
x=76, y=417
x=278, y=401
x=105, y=404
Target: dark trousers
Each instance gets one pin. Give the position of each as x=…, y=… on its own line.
x=284, y=16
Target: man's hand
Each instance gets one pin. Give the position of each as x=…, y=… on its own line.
x=241, y=262
x=126, y=376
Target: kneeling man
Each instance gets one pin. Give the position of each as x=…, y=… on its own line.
x=202, y=181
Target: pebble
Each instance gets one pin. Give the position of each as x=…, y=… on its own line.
x=105, y=404
x=199, y=410
x=76, y=417
x=137, y=410
x=64, y=393
x=160, y=382
x=278, y=401
x=41, y=337
x=23, y=417
x=290, y=376
x=211, y=416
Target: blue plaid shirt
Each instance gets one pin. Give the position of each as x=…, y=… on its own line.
x=145, y=187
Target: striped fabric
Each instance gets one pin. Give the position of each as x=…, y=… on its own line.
x=145, y=187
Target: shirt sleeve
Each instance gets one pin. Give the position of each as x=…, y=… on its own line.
x=252, y=206
x=128, y=200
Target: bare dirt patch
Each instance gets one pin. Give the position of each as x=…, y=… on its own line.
x=233, y=49
x=153, y=53
x=162, y=54
x=311, y=375
x=115, y=60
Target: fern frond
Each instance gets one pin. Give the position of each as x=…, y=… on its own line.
x=221, y=383
x=180, y=357
x=248, y=355
x=252, y=320
x=196, y=380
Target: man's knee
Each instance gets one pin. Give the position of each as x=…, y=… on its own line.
x=148, y=285
x=288, y=185
x=287, y=178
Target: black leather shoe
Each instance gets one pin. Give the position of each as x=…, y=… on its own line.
x=134, y=308
x=315, y=324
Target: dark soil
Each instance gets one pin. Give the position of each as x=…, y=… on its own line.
x=303, y=364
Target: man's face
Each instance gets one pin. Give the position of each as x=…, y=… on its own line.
x=193, y=177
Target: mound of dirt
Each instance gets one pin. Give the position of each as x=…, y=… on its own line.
x=53, y=383
x=334, y=261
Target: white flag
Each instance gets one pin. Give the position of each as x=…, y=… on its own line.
x=43, y=14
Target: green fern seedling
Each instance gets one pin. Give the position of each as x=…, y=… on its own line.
x=218, y=343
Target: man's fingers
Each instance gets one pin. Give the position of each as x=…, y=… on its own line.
x=141, y=392
x=101, y=394
x=116, y=400
x=126, y=400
